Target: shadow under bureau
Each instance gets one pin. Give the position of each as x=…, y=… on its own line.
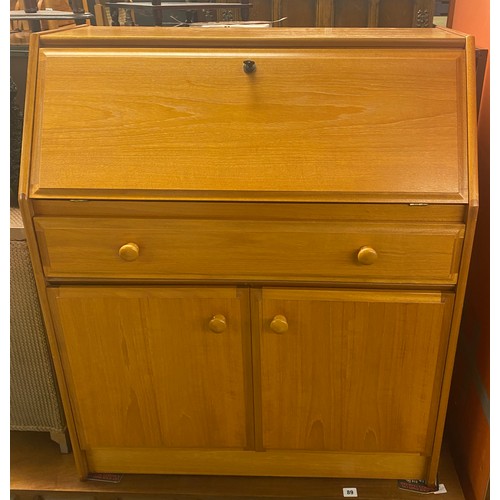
x=251, y=245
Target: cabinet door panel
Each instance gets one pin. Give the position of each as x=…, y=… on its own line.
x=355, y=371
x=145, y=370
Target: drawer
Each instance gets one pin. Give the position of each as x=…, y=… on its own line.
x=286, y=251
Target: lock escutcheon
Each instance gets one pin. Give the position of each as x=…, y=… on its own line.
x=249, y=66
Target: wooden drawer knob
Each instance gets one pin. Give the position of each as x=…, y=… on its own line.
x=218, y=323
x=279, y=324
x=129, y=251
x=367, y=255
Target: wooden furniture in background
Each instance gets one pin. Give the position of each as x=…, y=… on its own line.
x=112, y=16
x=333, y=13
x=266, y=281
x=190, y=11
x=354, y=13
x=28, y=16
x=345, y=13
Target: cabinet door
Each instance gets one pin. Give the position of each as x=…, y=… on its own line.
x=151, y=367
x=349, y=370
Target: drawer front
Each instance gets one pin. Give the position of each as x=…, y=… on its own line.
x=320, y=124
x=287, y=251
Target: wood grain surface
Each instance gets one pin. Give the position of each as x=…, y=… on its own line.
x=249, y=250
x=155, y=162
x=307, y=125
x=144, y=369
x=355, y=371
x=37, y=467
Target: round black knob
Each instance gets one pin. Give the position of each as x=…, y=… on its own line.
x=249, y=66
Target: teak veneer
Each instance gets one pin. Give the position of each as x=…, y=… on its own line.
x=252, y=268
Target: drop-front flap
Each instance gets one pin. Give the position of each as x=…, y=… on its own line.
x=276, y=123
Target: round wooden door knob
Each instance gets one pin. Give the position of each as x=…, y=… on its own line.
x=279, y=324
x=129, y=251
x=218, y=323
x=367, y=255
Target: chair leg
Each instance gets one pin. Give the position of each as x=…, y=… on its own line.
x=61, y=438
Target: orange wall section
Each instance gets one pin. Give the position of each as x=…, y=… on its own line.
x=468, y=424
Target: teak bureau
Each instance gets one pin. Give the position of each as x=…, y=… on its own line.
x=251, y=245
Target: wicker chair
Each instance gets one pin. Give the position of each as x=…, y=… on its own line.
x=34, y=399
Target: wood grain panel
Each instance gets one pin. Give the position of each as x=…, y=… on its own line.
x=272, y=463
x=301, y=13
x=324, y=12
x=468, y=248
x=361, y=122
x=258, y=250
x=261, y=10
x=359, y=372
x=396, y=13
x=394, y=213
x=144, y=369
x=351, y=13
x=137, y=36
x=356, y=13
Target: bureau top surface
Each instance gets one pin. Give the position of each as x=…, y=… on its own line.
x=126, y=35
